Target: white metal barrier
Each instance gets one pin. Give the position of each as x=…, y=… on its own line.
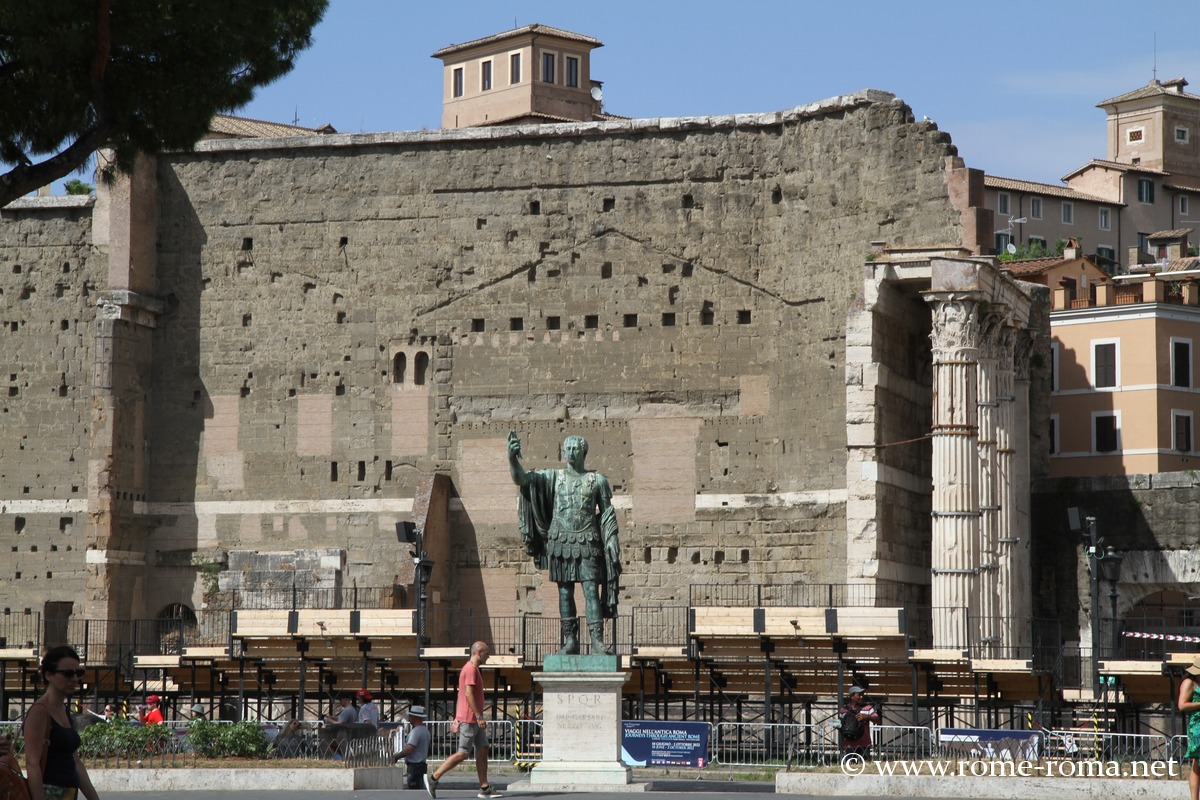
x=756, y=744
x=889, y=742
x=1104, y=746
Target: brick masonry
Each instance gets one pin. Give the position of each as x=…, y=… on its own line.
x=343, y=315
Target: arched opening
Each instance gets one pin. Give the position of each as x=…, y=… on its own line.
x=399, y=365
x=420, y=367
x=176, y=627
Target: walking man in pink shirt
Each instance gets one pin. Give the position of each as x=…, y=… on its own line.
x=472, y=725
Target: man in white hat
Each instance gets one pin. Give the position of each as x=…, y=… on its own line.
x=855, y=720
x=416, y=749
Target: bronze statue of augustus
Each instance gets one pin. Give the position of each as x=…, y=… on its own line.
x=569, y=526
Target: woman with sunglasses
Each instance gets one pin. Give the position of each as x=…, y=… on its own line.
x=54, y=769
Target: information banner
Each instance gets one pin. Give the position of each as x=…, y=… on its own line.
x=664, y=744
x=1003, y=745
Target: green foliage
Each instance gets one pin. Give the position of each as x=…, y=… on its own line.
x=1035, y=250
x=142, y=76
x=118, y=737
x=205, y=738
x=210, y=572
x=76, y=186
x=242, y=740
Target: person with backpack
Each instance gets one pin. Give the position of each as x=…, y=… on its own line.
x=855, y=719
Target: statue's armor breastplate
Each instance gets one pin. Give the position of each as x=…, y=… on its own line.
x=575, y=509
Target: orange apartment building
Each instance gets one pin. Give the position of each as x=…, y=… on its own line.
x=1124, y=396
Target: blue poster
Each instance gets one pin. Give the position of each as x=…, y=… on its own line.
x=664, y=744
x=1001, y=745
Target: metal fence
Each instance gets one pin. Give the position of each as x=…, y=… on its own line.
x=21, y=629
x=294, y=597
x=381, y=750
x=808, y=595
x=1104, y=746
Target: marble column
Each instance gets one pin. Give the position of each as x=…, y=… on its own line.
x=985, y=608
x=1018, y=586
x=1013, y=632
x=955, y=556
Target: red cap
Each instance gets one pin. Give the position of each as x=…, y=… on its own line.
x=363, y=694
x=152, y=698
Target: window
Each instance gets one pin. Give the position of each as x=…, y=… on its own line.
x=548, y=60
x=485, y=73
x=1003, y=240
x=1002, y=203
x=1135, y=135
x=1181, y=363
x=1035, y=207
x=1037, y=241
x=514, y=68
x=1105, y=252
x=1053, y=434
x=1145, y=190
x=458, y=82
x=572, y=71
x=1105, y=374
x=1105, y=219
x=1144, y=242
x=1105, y=438
x=1184, y=205
x=1068, y=213
x=1181, y=135
x=1181, y=430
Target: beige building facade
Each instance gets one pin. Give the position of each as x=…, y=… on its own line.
x=1125, y=397
x=535, y=73
x=1149, y=181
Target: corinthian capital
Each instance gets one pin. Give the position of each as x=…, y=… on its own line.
x=956, y=326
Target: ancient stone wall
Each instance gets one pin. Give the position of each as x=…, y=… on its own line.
x=1150, y=519
x=345, y=314
x=48, y=280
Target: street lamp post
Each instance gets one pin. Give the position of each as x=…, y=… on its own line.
x=1110, y=562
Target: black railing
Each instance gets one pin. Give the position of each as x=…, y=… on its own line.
x=23, y=630
x=801, y=595
x=293, y=598
x=658, y=626
x=1038, y=640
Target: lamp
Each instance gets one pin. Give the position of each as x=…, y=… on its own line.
x=1110, y=564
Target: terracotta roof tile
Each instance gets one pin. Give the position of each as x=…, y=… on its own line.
x=245, y=128
x=1032, y=266
x=1048, y=189
x=1171, y=234
x=1187, y=183
x=544, y=30
x=1153, y=89
x=1115, y=165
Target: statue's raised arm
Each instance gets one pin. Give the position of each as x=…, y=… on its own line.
x=519, y=476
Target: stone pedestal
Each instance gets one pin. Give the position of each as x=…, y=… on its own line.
x=581, y=725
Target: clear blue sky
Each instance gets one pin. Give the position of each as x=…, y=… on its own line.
x=1014, y=83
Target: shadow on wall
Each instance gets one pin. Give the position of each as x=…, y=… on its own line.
x=1147, y=519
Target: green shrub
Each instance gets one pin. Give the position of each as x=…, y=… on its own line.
x=204, y=738
x=242, y=740
x=120, y=738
